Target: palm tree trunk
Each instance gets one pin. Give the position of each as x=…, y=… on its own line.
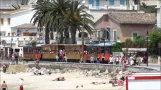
x=47, y=40
x=66, y=35
x=61, y=38
x=73, y=36
x=51, y=35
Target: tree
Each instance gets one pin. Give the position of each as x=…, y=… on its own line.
x=63, y=17
x=148, y=9
x=155, y=38
x=33, y=43
x=139, y=42
x=76, y=17
x=117, y=47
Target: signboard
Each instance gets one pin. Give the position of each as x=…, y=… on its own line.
x=135, y=49
x=143, y=81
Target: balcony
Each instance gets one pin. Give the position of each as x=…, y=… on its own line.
x=105, y=7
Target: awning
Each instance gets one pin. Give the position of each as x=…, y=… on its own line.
x=135, y=49
x=30, y=45
x=100, y=44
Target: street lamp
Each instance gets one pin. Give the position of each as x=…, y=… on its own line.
x=11, y=46
x=82, y=34
x=104, y=42
x=147, y=37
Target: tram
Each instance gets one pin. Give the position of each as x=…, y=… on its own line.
x=32, y=53
x=72, y=51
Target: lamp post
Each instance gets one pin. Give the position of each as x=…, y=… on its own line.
x=104, y=43
x=82, y=34
x=147, y=37
x=11, y=46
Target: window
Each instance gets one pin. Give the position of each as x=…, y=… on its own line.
x=8, y=34
x=9, y=21
x=2, y=21
x=99, y=35
x=122, y=2
x=13, y=33
x=112, y=2
x=115, y=35
x=134, y=36
x=97, y=4
x=90, y=2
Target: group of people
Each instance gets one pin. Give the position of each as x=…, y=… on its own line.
x=137, y=60
x=61, y=57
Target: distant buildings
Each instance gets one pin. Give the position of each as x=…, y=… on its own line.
x=117, y=27
x=15, y=23
x=13, y=26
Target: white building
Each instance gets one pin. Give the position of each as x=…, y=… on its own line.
x=10, y=21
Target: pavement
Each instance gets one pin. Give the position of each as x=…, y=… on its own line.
x=150, y=65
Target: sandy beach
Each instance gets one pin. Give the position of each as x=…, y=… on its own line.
x=44, y=82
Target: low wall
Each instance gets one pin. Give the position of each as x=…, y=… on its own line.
x=89, y=66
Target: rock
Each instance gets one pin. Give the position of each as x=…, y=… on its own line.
x=57, y=70
x=120, y=72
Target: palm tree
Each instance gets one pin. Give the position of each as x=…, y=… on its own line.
x=46, y=12
x=63, y=17
x=76, y=17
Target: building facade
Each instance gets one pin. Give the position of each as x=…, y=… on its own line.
x=9, y=19
x=117, y=27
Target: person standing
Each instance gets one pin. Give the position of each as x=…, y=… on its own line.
x=16, y=57
x=65, y=58
x=111, y=59
x=4, y=86
x=21, y=83
x=57, y=58
x=4, y=67
x=92, y=59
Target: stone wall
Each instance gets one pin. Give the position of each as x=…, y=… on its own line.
x=89, y=66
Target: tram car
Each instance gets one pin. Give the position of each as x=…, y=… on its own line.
x=72, y=51
x=32, y=53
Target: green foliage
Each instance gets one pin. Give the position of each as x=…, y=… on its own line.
x=129, y=43
x=34, y=43
x=155, y=38
x=117, y=47
x=139, y=42
x=62, y=16
x=148, y=9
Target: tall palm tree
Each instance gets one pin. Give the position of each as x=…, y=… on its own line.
x=46, y=12
x=62, y=16
x=76, y=17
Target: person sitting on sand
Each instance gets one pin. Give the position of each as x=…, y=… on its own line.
x=59, y=79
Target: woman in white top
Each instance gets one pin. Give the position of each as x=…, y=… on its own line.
x=21, y=83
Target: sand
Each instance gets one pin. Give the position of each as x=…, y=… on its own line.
x=44, y=82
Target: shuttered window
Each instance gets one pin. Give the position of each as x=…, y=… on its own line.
x=97, y=4
x=122, y=2
x=9, y=21
x=115, y=35
x=90, y=2
x=112, y=2
x=135, y=36
x=2, y=21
